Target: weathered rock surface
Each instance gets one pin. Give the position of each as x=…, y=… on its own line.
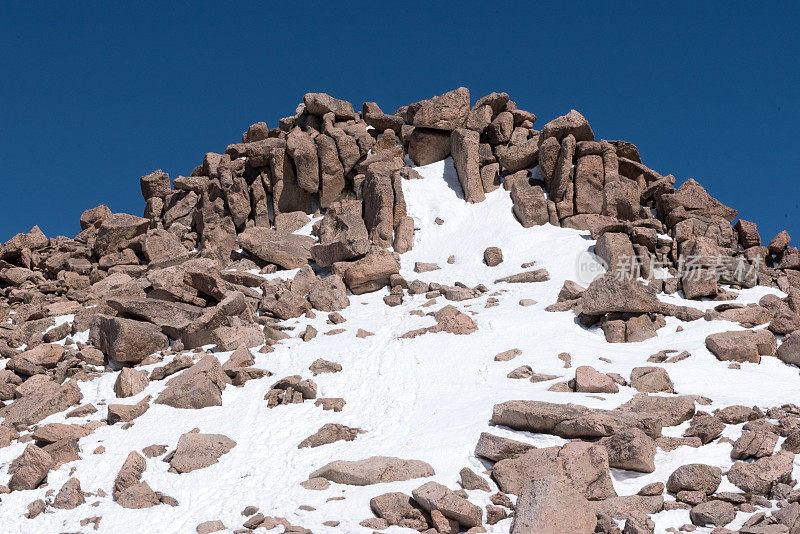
x=373, y=470
x=196, y=451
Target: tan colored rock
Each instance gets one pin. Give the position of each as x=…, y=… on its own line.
x=571, y=421
x=371, y=272
x=434, y=496
x=549, y=504
x=29, y=469
x=373, y=470
x=631, y=449
x=289, y=251
x=444, y=112
x=588, y=380
x=695, y=477
x=464, y=149
x=130, y=382
x=196, y=451
x=69, y=496
x=330, y=433
x=472, y=481
x=399, y=509
x=742, y=346
x=44, y=400
x=197, y=387
x=651, y=380
x=123, y=413
x=126, y=340
x=496, y=448
x=758, y=477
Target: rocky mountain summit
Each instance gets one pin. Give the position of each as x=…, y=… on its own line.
x=438, y=320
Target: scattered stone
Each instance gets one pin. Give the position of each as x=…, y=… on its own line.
x=493, y=256
x=330, y=433
x=651, y=380
x=321, y=366
x=69, y=496
x=507, y=355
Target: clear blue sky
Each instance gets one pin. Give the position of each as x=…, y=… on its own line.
x=94, y=95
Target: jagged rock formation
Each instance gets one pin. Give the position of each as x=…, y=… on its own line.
x=323, y=193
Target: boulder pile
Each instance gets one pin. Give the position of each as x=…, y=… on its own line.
x=322, y=194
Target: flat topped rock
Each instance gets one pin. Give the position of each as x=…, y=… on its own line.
x=196, y=451
x=373, y=470
x=571, y=420
x=612, y=293
x=289, y=251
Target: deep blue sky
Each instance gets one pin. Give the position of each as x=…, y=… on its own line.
x=94, y=95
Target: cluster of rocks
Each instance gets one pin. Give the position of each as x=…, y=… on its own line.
x=571, y=485
x=189, y=274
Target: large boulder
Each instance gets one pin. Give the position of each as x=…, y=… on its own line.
x=321, y=103
x=631, y=449
x=496, y=448
x=29, y=469
x=445, y=112
x=197, y=387
x=584, y=465
x=371, y=272
x=670, y=411
x=196, y=451
x=549, y=505
x=530, y=204
x=695, y=477
x=379, y=200
x=426, y=145
x=116, y=231
x=126, y=340
x=328, y=294
x=573, y=123
x=44, y=400
x=342, y=234
x=464, y=149
x=588, y=380
x=789, y=351
x=742, y=346
x=570, y=420
x=611, y=293
x=651, y=380
x=289, y=251
x=33, y=240
x=692, y=197
x=284, y=304
x=69, y=496
x=155, y=184
x=712, y=513
x=130, y=382
x=301, y=148
x=760, y=476
x=172, y=317
x=373, y=470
